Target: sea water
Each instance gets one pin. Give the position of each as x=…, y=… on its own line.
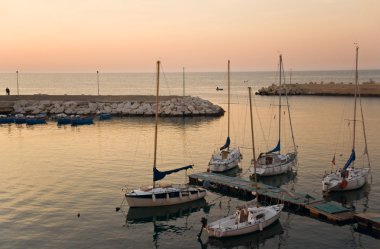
x=60, y=185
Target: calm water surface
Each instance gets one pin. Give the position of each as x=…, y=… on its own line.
x=50, y=174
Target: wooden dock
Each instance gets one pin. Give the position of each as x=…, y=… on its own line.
x=369, y=223
x=306, y=204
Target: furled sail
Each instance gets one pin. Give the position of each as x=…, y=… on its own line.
x=158, y=175
x=350, y=160
x=277, y=148
x=227, y=144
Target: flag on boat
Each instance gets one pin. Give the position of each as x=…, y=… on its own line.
x=333, y=160
x=227, y=144
x=159, y=175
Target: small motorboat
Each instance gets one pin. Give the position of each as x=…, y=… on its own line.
x=38, y=119
x=219, y=88
x=81, y=120
x=20, y=119
x=63, y=119
x=104, y=116
x=4, y=119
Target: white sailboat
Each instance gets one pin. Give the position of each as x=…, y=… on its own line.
x=163, y=195
x=225, y=158
x=350, y=177
x=273, y=162
x=246, y=219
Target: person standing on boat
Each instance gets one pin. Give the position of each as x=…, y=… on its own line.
x=7, y=91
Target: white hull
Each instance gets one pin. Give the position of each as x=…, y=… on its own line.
x=230, y=226
x=355, y=179
x=163, y=196
x=275, y=168
x=225, y=160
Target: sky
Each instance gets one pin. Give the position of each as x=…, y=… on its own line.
x=200, y=35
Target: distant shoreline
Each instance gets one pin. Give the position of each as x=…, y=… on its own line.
x=329, y=89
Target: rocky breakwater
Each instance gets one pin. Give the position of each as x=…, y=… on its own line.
x=367, y=89
x=174, y=107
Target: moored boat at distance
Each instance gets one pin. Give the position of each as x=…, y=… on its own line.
x=226, y=158
x=163, y=195
x=273, y=162
x=36, y=119
x=4, y=119
x=350, y=177
x=81, y=120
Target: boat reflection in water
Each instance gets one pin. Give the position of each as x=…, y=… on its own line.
x=279, y=180
x=253, y=240
x=351, y=198
x=165, y=213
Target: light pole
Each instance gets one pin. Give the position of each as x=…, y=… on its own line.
x=97, y=76
x=18, y=93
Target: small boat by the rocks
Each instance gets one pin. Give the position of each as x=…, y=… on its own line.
x=20, y=118
x=81, y=120
x=4, y=119
x=34, y=120
x=104, y=116
x=63, y=119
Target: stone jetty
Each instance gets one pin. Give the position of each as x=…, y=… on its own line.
x=323, y=89
x=129, y=105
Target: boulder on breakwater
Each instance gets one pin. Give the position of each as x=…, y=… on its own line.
x=175, y=106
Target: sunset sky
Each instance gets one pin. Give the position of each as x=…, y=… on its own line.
x=130, y=35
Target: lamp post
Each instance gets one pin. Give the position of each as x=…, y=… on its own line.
x=18, y=93
x=97, y=76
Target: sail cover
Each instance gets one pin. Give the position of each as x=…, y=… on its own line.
x=158, y=175
x=227, y=144
x=277, y=148
x=350, y=160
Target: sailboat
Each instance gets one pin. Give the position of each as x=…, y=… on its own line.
x=273, y=162
x=225, y=158
x=163, y=195
x=350, y=177
x=246, y=219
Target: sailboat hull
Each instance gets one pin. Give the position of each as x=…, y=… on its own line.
x=163, y=196
x=278, y=164
x=334, y=182
x=230, y=227
x=225, y=160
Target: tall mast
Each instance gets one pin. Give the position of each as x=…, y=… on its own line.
x=279, y=106
x=356, y=89
x=156, y=121
x=228, y=101
x=253, y=147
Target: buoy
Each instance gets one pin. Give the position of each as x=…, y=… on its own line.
x=78, y=215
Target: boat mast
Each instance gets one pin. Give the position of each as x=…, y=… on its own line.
x=156, y=120
x=287, y=103
x=356, y=89
x=253, y=147
x=279, y=106
x=228, y=80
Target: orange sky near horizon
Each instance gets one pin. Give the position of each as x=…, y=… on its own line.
x=130, y=35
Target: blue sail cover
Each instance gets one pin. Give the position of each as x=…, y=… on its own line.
x=277, y=148
x=227, y=144
x=159, y=175
x=350, y=160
